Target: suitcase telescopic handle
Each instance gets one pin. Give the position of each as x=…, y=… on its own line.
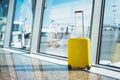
x=82, y=20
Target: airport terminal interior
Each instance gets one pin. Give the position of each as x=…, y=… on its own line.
x=35, y=34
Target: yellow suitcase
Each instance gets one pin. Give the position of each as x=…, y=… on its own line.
x=79, y=53
x=79, y=48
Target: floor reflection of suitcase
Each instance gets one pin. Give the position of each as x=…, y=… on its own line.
x=79, y=53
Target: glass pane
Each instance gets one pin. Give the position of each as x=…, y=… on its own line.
x=22, y=24
x=110, y=45
x=3, y=19
x=60, y=22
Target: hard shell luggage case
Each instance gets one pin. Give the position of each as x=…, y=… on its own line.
x=79, y=51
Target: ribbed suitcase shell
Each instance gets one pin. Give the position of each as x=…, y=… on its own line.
x=79, y=52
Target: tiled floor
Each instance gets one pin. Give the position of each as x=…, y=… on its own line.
x=15, y=66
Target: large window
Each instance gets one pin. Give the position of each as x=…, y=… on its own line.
x=3, y=19
x=59, y=24
x=22, y=24
x=110, y=44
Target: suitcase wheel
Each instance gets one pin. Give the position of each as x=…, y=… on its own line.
x=88, y=67
x=69, y=67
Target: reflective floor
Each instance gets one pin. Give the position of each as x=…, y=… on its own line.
x=15, y=66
